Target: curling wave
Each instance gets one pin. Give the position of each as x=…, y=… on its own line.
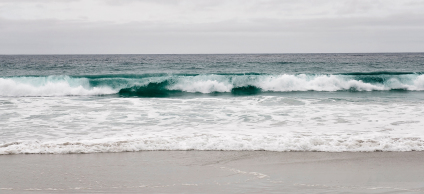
x=162, y=85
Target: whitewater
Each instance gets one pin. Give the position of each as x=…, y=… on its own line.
x=156, y=86
x=276, y=102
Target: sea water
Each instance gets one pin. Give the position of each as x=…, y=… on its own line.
x=274, y=102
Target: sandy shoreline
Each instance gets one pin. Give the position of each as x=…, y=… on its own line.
x=214, y=172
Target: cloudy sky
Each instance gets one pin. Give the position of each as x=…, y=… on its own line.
x=210, y=26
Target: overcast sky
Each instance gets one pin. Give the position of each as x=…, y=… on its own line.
x=210, y=26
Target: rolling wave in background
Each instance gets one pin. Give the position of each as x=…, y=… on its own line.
x=163, y=85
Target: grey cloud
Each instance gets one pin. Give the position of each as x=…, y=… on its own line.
x=393, y=34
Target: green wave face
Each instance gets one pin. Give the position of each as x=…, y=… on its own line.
x=166, y=85
x=150, y=90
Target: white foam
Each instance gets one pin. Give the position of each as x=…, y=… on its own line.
x=207, y=86
x=284, y=83
x=87, y=125
x=49, y=86
x=227, y=142
x=418, y=83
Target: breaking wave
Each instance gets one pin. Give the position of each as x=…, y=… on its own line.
x=163, y=85
x=50, y=86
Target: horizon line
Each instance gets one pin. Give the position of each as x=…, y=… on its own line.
x=225, y=53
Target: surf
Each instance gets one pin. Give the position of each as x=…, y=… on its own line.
x=169, y=85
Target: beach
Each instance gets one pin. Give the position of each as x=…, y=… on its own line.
x=214, y=172
x=211, y=96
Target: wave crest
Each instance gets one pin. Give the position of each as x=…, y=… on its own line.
x=49, y=86
x=169, y=85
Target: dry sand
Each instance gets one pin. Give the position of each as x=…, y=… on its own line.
x=214, y=172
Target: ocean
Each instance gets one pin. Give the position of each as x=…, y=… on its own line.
x=62, y=104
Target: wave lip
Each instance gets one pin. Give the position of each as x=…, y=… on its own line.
x=158, y=85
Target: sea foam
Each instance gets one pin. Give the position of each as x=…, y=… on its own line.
x=89, y=125
x=49, y=86
x=214, y=142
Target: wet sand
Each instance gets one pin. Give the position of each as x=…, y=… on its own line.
x=214, y=172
